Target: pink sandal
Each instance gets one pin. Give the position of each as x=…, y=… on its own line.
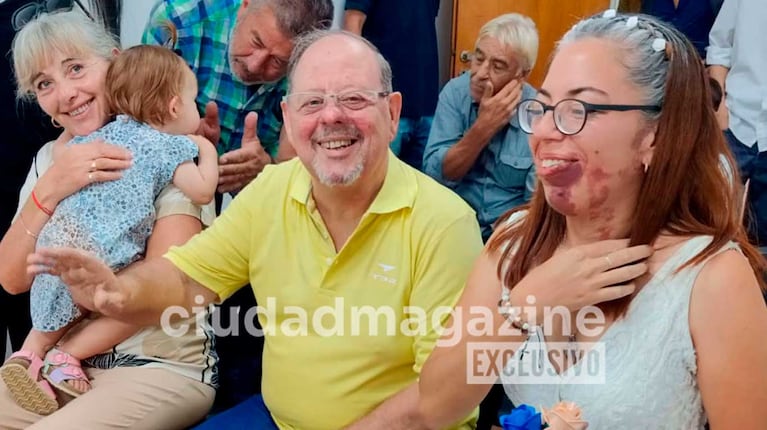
x=21, y=374
x=61, y=367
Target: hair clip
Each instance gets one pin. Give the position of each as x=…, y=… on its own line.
x=609, y=13
x=660, y=44
x=632, y=22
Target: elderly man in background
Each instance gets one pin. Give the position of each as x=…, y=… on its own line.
x=476, y=146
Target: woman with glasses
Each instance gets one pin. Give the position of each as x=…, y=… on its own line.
x=627, y=285
x=151, y=380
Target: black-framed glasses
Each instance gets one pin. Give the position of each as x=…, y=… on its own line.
x=308, y=103
x=569, y=114
x=31, y=10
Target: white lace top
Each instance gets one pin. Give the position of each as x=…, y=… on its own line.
x=649, y=360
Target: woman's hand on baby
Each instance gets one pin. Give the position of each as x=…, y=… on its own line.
x=78, y=166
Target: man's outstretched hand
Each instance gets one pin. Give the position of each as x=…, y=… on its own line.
x=92, y=283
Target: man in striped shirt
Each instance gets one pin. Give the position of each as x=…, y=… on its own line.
x=239, y=51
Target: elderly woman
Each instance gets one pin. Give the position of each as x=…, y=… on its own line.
x=626, y=145
x=152, y=380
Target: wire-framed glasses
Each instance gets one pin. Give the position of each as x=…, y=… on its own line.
x=308, y=103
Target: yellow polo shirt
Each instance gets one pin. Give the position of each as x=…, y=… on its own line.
x=340, y=338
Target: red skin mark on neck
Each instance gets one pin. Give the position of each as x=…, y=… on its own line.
x=605, y=230
x=598, y=194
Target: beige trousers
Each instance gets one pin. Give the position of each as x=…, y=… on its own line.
x=122, y=398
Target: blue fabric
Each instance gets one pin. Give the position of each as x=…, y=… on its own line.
x=405, y=33
x=250, y=414
x=693, y=18
x=410, y=142
x=113, y=219
x=239, y=355
x=503, y=176
x=752, y=165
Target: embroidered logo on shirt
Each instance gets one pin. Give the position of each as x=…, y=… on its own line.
x=386, y=269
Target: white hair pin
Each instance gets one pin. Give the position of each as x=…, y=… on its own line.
x=632, y=22
x=659, y=44
x=609, y=13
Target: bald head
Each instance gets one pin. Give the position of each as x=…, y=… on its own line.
x=339, y=43
x=343, y=142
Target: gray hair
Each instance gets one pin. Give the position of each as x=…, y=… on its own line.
x=70, y=33
x=635, y=35
x=295, y=17
x=515, y=31
x=305, y=41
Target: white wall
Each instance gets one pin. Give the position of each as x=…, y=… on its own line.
x=338, y=9
x=135, y=14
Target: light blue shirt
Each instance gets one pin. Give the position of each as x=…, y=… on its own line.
x=503, y=176
x=737, y=41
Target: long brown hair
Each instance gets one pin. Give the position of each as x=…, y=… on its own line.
x=686, y=190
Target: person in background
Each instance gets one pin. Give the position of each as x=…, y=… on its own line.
x=239, y=51
x=476, y=146
x=737, y=59
x=693, y=18
x=405, y=33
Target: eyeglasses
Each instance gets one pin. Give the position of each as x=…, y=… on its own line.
x=30, y=11
x=309, y=103
x=569, y=114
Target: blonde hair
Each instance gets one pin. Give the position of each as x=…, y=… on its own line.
x=142, y=81
x=70, y=33
x=516, y=31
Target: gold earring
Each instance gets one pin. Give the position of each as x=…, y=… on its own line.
x=55, y=123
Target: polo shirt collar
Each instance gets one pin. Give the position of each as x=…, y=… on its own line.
x=398, y=191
